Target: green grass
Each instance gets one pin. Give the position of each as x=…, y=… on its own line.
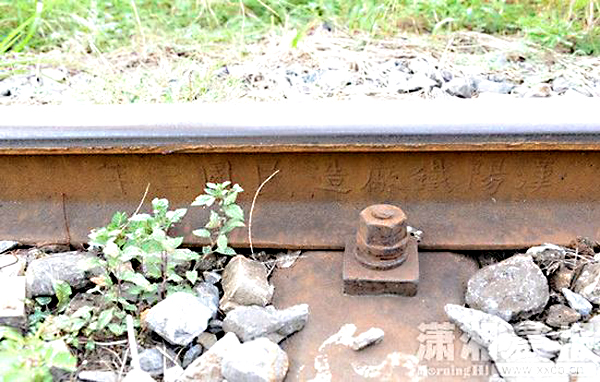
x=105, y=25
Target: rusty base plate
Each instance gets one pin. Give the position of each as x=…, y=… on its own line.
x=411, y=324
x=360, y=280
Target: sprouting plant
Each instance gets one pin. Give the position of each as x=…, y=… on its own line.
x=225, y=216
x=139, y=263
x=30, y=358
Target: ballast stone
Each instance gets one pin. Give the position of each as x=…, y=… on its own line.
x=73, y=267
x=245, y=283
x=259, y=360
x=179, y=318
x=588, y=283
x=513, y=289
x=250, y=322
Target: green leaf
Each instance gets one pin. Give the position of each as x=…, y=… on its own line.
x=140, y=218
x=234, y=211
x=62, y=289
x=43, y=300
x=201, y=233
x=119, y=219
x=237, y=189
x=214, y=221
x=175, y=278
x=171, y=243
x=232, y=224
x=226, y=251
x=177, y=215
x=90, y=345
x=135, y=278
x=160, y=206
x=84, y=311
x=211, y=185
x=221, y=243
x=192, y=276
x=207, y=250
x=117, y=329
x=104, y=318
x=204, y=200
x=230, y=198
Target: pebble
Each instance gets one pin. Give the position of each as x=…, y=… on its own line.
x=577, y=302
x=559, y=316
x=368, y=338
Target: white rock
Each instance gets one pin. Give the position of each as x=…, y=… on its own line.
x=207, y=367
x=179, y=318
x=543, y=346
x=259, y=360
x=245, y=283
x=368, y=338
x=250, y=322
x=577, y=302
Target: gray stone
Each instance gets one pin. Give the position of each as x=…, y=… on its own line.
x=483, y=328
x=413, y=83
x=588, y=283
x=245, y=283
x=368, y=338
x=525, y=328
x=561, y=84
x=7, y=245
x=259, y=360
x=486, y=86
x=191, y=354
x=208, y=294
x=215, y=326
x=504, y=346
x=460, y=87
x=561, y=278
x=577, y=302
x=153, y=361
x=72, y=267
x=250, y=322
x=560, y=315
x=207, y=367
x=543, y=346
x=97, y=376
x=211, y=277
x=207, y=340
x=12, y=301
x=512, y=289
x=179, y=318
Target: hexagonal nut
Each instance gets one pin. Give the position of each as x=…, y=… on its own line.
x=382, y=225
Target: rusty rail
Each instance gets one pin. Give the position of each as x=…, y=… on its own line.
x=470, y=174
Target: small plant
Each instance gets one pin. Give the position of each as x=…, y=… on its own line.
x=224, y=217
x=30, y=358
x=140, y=264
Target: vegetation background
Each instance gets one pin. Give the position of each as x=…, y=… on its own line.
x=107, y=25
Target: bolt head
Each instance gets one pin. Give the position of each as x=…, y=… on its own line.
x=382, y=225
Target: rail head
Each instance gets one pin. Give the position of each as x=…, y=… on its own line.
x=471, y=125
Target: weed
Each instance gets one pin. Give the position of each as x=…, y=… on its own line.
x=30, y=358
x=224, y=218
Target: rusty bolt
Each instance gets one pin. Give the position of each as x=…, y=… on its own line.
x=382, y=237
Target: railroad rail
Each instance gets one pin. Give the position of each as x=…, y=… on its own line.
x=471, y=174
